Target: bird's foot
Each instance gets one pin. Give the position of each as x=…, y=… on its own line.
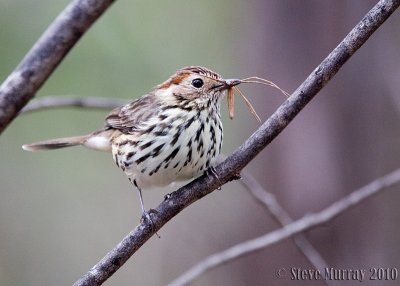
x=211, y=171
x=146, y=219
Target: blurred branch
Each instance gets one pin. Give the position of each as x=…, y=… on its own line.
x=231, y=167
x=269, y=201
x=64, y=101
x=42, y=59
x=301, y=225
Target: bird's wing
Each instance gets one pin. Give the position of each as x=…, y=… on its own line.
x=133, y=117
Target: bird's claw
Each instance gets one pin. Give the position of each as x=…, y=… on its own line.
x=213, y=172
x=146, y=218
x=167, y=196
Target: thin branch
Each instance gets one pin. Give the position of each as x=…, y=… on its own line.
x=66, y=101
x=294, y=228
x=43, y=58
x=231, y=167
x=269, y=201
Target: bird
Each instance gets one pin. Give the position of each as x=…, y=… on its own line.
x=173, y=133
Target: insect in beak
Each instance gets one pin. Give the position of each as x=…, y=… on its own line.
x=230, y=83
x=231, y=87
x=231, y=97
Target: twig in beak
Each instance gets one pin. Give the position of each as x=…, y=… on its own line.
x=255, y=79
x=252, y=110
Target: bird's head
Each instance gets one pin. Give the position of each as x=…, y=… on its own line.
x=195, y=86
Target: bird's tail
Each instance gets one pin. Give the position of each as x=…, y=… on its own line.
x=99, y=140
x=56, y=143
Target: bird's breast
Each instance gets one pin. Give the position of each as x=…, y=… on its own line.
x=174, y=149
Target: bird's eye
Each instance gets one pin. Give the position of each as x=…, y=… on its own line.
x=197, y=82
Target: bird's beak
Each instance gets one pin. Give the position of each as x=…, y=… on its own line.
x=226, y=84
x=231, y=82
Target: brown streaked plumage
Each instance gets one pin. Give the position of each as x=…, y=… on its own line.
x=172, y=133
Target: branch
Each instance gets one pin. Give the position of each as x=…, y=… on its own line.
x=301, y=225
x=269, y=201
x=231, y=167
x=64, y=101
x=38, y=64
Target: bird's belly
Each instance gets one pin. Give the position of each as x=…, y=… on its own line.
x=176, y=156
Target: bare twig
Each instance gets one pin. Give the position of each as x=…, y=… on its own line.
x=65, y=101
x=289, y=230
x=268, y=200
x=282, y=217
x=229, y=169
x=37, y=65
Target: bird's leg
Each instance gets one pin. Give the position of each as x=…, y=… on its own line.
x=145, y=214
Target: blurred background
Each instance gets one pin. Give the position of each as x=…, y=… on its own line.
x=60, y=212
